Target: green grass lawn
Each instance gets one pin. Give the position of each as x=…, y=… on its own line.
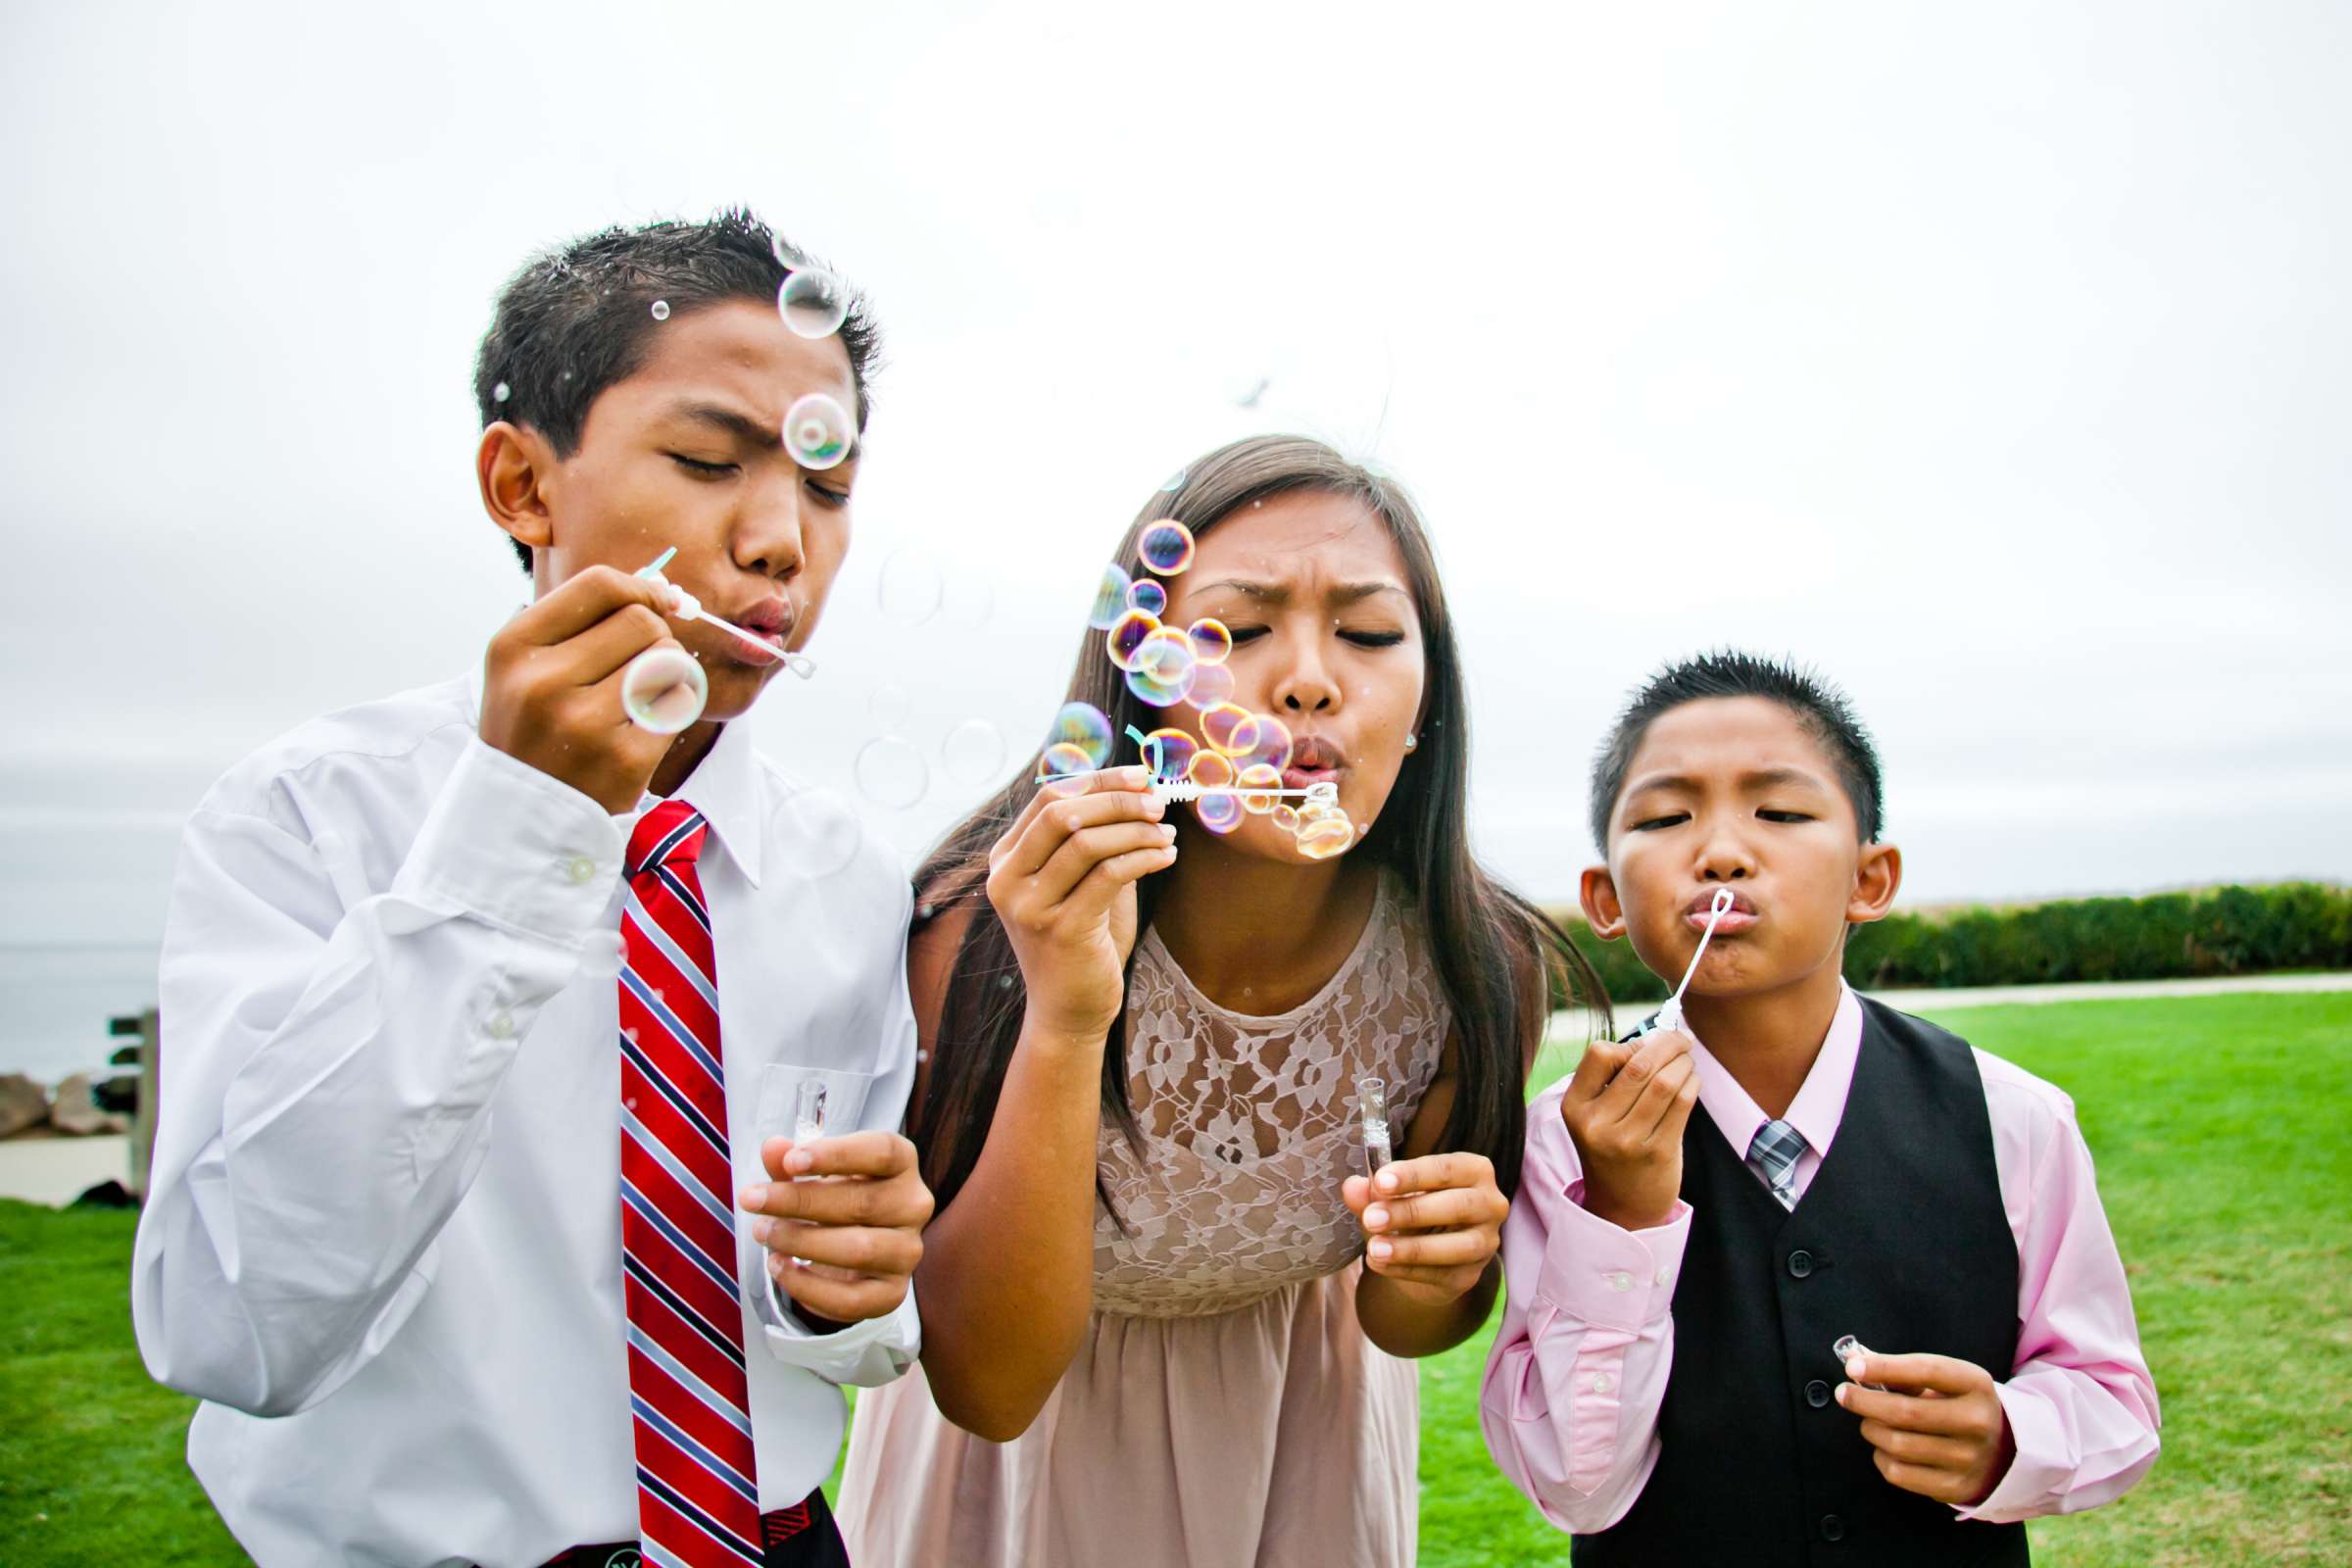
x=2223, y=1129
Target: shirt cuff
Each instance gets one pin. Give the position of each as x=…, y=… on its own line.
x=1606, y=1275
x=2038, y=1466
x=514, y=846
x=865, y=1354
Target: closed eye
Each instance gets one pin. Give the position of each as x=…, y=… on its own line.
x=1649, y=824
x=1770, y=815
x=1373, y=639
x=827, y=496
x=695, y=465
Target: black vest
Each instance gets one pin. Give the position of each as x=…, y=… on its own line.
x=1900, y=1241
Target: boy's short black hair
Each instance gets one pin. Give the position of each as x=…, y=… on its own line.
x=1820, y=707
x=577, y=316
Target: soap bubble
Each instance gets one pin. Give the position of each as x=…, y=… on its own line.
x=1147, y=596
x=1211, y=770
x=1260, y=740
x=1110, y=598
x=1212, y=686
x=1174, y=483
x=603, y=954
x=1219, y=814
x=660, y=310
x=1325, y=838
x=1212, y=642
x=795, y=259
x=1166, y=546
x=1151, y=690
x=973, y=751
x=1219, y=724
x=820, y=833
x=500, y=393
x=1127, y=637
x=908, y=588
x=1063, y=768
x=814, y=301
x=1173, y=750
x=1286, y=816
x=890, y=772
x=817, y=431
x=664, y=689
x=1253, y=779
x=1084, y=726
x=1168, y=655
x=889, y=706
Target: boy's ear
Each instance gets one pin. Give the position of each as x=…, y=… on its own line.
x=1877, y=880
x=511, y=466
x=1596, y=891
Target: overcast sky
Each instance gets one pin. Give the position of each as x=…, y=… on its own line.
x=1993, y=358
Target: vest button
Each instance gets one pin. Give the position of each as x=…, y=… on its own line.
x=1800, y=1264
x=1817, y=1394
x=1832, y=1528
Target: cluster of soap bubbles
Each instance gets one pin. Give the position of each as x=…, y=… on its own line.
x=1233, y=768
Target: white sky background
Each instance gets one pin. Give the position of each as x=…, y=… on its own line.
x=1995, y=358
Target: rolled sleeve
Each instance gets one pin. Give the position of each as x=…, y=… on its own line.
x=514, y=847
x=863, y=1356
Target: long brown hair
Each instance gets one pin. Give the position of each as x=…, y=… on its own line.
x=1498, y=958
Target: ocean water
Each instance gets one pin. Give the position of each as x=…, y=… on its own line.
x=55, y=1000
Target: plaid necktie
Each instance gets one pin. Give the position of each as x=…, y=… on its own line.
x=698, y=1495
x=1773, y=1154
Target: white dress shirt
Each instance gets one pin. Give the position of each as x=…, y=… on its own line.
x=382, y=1240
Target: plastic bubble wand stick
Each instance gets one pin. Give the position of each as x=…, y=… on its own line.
x=1187, y=789
x=1670, y=1016
x=689, y=608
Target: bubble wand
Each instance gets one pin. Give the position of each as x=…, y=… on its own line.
x=1670, y=1016
x=685, y=607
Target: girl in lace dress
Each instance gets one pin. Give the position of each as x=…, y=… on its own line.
x=1163, y=1310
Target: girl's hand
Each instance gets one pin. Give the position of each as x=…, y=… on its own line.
x=1936, y=1426
x=1062, y=880
x=1432, y=1224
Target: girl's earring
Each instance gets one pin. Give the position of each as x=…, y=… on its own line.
x=1411, y=741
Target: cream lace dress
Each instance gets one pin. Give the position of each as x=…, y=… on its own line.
x=1224, y=1410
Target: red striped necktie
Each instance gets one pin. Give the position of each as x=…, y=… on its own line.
x=698, y=1495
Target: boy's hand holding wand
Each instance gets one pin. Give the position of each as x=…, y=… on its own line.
x=1936, y=1424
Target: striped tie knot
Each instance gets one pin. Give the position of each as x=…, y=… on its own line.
x=668, y=835
x=1774, y=1153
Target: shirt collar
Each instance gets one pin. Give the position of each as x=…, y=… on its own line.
x=725, y=787
x=1820, y=1103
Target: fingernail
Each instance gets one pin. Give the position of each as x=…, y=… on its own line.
x=1167, y=830
x=1387, y=1180
x=1381, y=1251
x=775, y=1263
x=1133, y=777
x=753, y=1197
x=1841, y=1391
x=800, y=1159
x=762, y=1229
x=1376, y=1216
x=1854, y=1369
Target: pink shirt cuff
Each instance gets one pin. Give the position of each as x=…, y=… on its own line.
x=1604, y=1275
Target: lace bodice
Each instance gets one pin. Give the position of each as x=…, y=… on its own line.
x=1250, y=1123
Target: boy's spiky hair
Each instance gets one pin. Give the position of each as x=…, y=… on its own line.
x=1820, y=707
x=577, y=316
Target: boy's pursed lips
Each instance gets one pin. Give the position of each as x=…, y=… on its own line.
x=1739, y=917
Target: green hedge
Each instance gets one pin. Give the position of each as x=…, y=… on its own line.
x=2230, y=930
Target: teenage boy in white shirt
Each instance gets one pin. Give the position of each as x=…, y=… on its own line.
x=470, y=1220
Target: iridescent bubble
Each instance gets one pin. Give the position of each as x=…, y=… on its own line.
x=1286, y=816
x=660, y=310
x=499, y=393
x=1325, y=838
x=889, y=706
x=1063, y=768
x=1147, y=596
x=1212, y=642
x=1110, y=598
x=1254, y=780
x=1167, y=654
x=1173, y=750
x=908, y=588
x=1086, y=727
x=1174, y=483
x=1127, y=637
x=664, y=689
x=817, y=431
x=973, y=751
x=814, y=301
x=1211, y=770
x=1151, y=691
x=890, y=772
x=1219, y=724
x=1219, y=814
x=1166, y=546
x=820, y=831
x=1261, y=740
x=1212, y=686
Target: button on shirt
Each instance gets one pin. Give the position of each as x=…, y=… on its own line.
x=1578, y=1371
x=383, y=1236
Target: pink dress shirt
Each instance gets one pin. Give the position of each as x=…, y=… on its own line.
x=1577, y=1373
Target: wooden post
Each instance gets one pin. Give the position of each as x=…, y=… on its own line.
x=146, y=1027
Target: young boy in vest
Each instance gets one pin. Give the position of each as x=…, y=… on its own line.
x=1707, y=1211
x=483, y=1005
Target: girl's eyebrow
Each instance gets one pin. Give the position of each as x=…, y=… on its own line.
x=1276, y=593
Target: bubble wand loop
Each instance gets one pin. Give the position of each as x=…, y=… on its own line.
x=1670, y=1016
x=689, y=608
